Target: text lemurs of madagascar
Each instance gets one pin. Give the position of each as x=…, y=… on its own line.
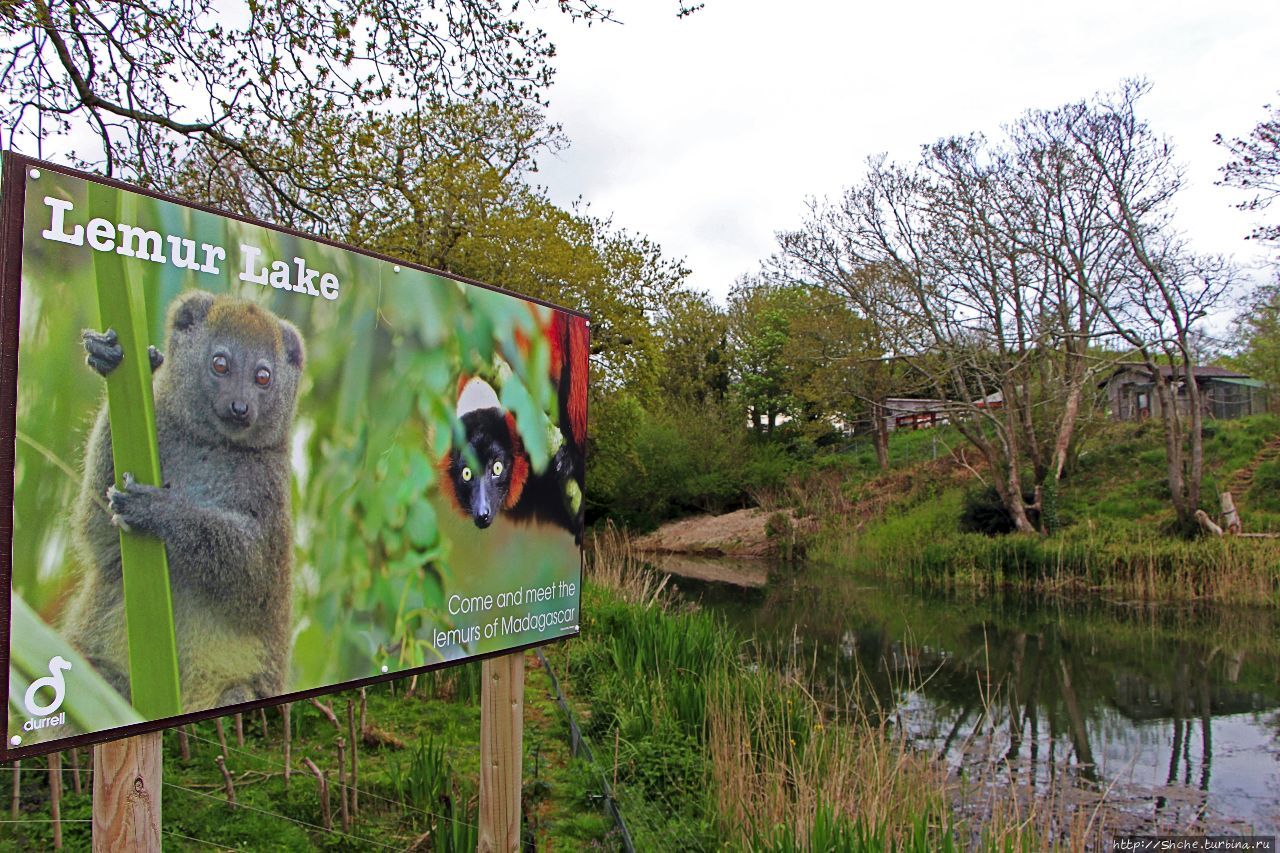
x=102, y=235
x=505, y=626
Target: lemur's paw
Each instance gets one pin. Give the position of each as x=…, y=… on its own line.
x=102, y=350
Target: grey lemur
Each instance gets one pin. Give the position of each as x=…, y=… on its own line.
x=225, y=394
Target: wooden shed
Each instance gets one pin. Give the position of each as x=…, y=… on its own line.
x=1224, y=393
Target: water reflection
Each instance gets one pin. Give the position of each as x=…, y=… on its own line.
x=1171, y=708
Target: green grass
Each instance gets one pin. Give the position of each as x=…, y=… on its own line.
x=1114, y=513
x=418, y=774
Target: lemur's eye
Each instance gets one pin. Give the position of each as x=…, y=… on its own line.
x=262, y=377
x=220, y=364
x=497, y=469
x=466, y=475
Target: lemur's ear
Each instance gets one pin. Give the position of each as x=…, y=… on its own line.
x=190, y=310
x=291, y=338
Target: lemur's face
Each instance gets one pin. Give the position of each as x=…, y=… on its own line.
x=481, y=469
x=241, y=381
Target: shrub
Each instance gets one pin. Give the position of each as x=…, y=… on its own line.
x=982, y=511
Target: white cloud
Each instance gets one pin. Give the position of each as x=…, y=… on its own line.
x=708, y=133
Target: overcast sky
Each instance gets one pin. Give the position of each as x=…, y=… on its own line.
x=708, y=133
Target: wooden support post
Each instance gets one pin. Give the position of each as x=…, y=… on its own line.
x=222, y=737
x=501, y=752
x=240, y=730
x=16, y=805
x=184, y=743
x=126, y=794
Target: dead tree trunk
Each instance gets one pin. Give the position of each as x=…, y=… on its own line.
x=322, y=781
x=226, y=781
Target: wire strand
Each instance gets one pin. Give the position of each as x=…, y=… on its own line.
x=362, y=792
x=304, y=823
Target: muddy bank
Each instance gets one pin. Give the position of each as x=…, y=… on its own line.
x=734, y=534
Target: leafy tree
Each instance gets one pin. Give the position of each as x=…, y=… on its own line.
x=760, y=316
x=1257, y=329
x=1255, y=166
x=695, y=350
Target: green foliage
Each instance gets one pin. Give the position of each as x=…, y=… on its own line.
x=1264, y=493
x=427, y=786
x=688, y=458
x=833, y=832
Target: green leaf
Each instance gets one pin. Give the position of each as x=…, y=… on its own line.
x=148, y=601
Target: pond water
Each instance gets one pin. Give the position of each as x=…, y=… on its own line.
x=1172, y=710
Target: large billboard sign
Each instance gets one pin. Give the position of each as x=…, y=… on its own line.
x=248, y=465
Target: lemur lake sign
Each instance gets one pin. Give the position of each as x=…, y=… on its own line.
x=246, y=465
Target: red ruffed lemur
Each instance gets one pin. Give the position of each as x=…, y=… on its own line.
x=490, y=472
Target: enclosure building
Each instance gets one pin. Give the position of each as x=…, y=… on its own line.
x=1131, y=393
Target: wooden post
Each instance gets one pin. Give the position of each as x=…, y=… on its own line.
x=226, y=780
x=184, y=743
x=343, y=792
x=126, y=794
x=17, y=790
x=1230, y=518
x=75, y=771
x=501, y=752
x=322, y=781
x=355, y=759
x=288, y=741
x=240, y=730
x=55, y=797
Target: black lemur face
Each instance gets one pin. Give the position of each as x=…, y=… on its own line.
x=481, y=469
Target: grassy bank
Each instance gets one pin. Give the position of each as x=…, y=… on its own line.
x=1112, y=528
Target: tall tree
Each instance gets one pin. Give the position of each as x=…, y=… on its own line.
x=760, y=317
x=992, y=270
x=1257, y=332
x=1168, y=289
x=156, y=81
x=695, y=350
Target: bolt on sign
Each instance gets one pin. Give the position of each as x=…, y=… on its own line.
x=244, y=465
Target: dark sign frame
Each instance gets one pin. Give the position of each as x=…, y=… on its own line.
x=12, y=207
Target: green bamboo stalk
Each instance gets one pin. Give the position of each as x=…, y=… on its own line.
x=148, y=601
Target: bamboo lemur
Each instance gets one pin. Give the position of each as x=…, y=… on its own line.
x=503, y=479
x=225, y=394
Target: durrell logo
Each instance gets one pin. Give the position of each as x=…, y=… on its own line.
x=44, y=713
